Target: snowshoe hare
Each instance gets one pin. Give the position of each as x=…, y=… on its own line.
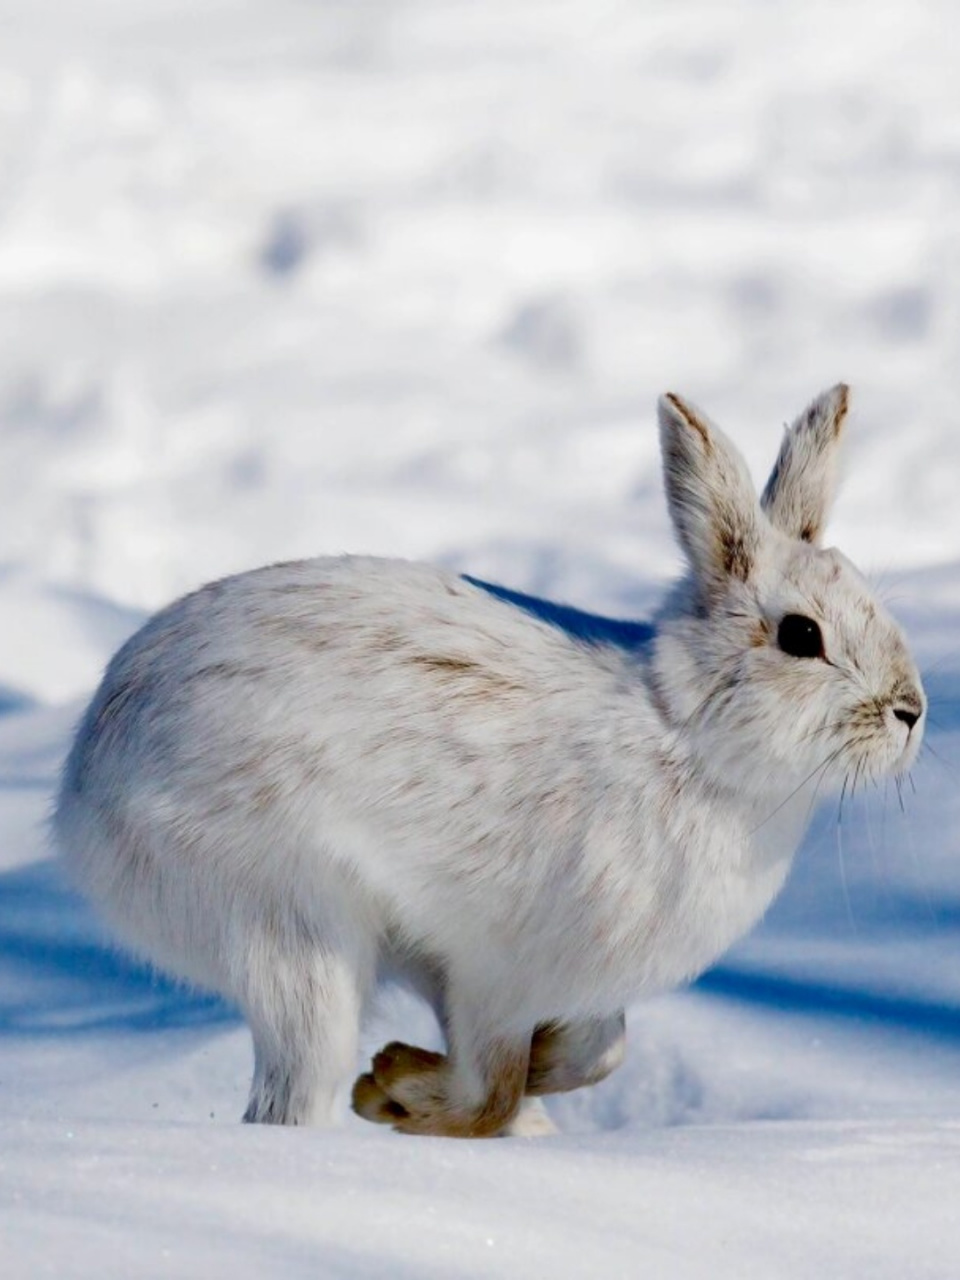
x=304, y=778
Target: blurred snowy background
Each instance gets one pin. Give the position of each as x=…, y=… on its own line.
x=294, y=277
x=291, y=277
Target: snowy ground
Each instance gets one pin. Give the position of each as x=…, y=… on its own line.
x=406, y=277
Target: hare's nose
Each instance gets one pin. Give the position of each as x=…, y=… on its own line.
x=907, y=715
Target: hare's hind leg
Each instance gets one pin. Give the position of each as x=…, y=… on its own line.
x=474, y=1091
x=565, y=1056
x=570, y=1055
x=303, y=998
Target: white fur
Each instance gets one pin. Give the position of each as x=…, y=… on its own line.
x=302, y=777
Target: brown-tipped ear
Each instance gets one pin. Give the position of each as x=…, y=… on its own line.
x=800, y=491
x=710, y=495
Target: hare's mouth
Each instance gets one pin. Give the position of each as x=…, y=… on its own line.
x=869, y=758
x=909, y=751
x=883, y=735
x=905, y=724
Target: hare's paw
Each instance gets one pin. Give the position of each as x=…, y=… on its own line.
x=413, y=1078
x=371, y=1103
x=404, y=1087
x=420, y=1092
x=569, y=1055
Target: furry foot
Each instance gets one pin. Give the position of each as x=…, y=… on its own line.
x=569, y=1055
x=402, y=1086
x=410, y=1076
x=417, y=1092
x=371, y=1103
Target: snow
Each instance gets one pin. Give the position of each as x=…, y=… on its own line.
x=284, y=279
x=170, y=1202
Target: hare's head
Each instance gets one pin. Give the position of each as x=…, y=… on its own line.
x=775, y=661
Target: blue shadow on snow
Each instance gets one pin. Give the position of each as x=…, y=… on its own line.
x=588, y=627
x=60, y=976
x=820, y=999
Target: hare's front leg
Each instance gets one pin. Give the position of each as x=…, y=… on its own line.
x=472, y=1092
x=302, y=991
x=570, y=1055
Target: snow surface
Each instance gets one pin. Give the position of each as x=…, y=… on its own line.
x=405, y=276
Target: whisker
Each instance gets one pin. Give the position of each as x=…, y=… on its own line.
x=822, y=766
x=946, y=704
x=841, y=861
x=863, y=775
x=704, y=703
x=871, y=841
x=944, y=763
x=883, y=811
x=935, y=666
x=833, y=727
x=853, y=785
x=813, y=798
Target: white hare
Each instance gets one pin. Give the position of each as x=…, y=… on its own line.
x=306, y=777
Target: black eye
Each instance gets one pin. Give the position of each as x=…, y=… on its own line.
x=800, y=636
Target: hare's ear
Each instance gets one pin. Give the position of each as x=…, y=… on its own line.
x=711, y=497
x=799, y=493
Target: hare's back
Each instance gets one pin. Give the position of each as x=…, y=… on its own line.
x=365, y=677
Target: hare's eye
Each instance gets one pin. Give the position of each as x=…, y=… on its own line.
x=800, y=636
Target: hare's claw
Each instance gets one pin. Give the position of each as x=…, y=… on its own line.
x=405, y=1083
x=372, y=1103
